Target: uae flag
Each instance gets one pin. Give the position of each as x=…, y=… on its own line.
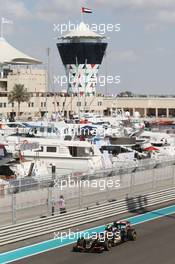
x=86, y=10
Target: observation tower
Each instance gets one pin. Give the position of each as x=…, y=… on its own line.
x=82, y=52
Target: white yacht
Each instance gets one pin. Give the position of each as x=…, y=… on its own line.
x=68, y=156
x=8, y=128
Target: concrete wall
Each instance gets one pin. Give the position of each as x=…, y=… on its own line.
x=34, y=80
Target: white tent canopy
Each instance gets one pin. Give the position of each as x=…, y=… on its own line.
x=10, y=55
x=82, y=31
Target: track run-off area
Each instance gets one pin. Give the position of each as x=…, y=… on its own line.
x=155, y=244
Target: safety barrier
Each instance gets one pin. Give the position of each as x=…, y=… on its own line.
x=51, y=224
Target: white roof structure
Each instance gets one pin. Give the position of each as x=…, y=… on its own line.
x=10, y=55
x=82, y=31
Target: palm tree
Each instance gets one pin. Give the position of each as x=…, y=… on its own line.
x=19, y=94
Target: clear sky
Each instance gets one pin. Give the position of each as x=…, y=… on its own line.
x=142, y=53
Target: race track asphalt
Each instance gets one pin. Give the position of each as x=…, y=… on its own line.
x=155, y=245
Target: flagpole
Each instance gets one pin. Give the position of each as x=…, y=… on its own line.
x=1, y=28
x=78, y=89
x=82, y=15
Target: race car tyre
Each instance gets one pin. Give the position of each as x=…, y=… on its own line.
x=124, y=238
x=107, y=245
x=75, y=249
x=132, y=235
x=80, y=241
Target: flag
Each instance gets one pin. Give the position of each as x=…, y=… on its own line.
x=6, y=21
x=86, y=10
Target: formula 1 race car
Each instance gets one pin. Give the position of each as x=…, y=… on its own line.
x=120, y=231
x=93, y=245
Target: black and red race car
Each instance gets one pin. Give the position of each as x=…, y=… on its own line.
x=118, y=232
x=121, y=231
x=94, y=244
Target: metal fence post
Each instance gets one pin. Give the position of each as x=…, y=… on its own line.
x=131, y=182
x=106, y=191
x=152, y=183
x=13, y=208
x=49, y=201
x=79, y=193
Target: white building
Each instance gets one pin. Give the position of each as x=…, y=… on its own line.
x=15, y=68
